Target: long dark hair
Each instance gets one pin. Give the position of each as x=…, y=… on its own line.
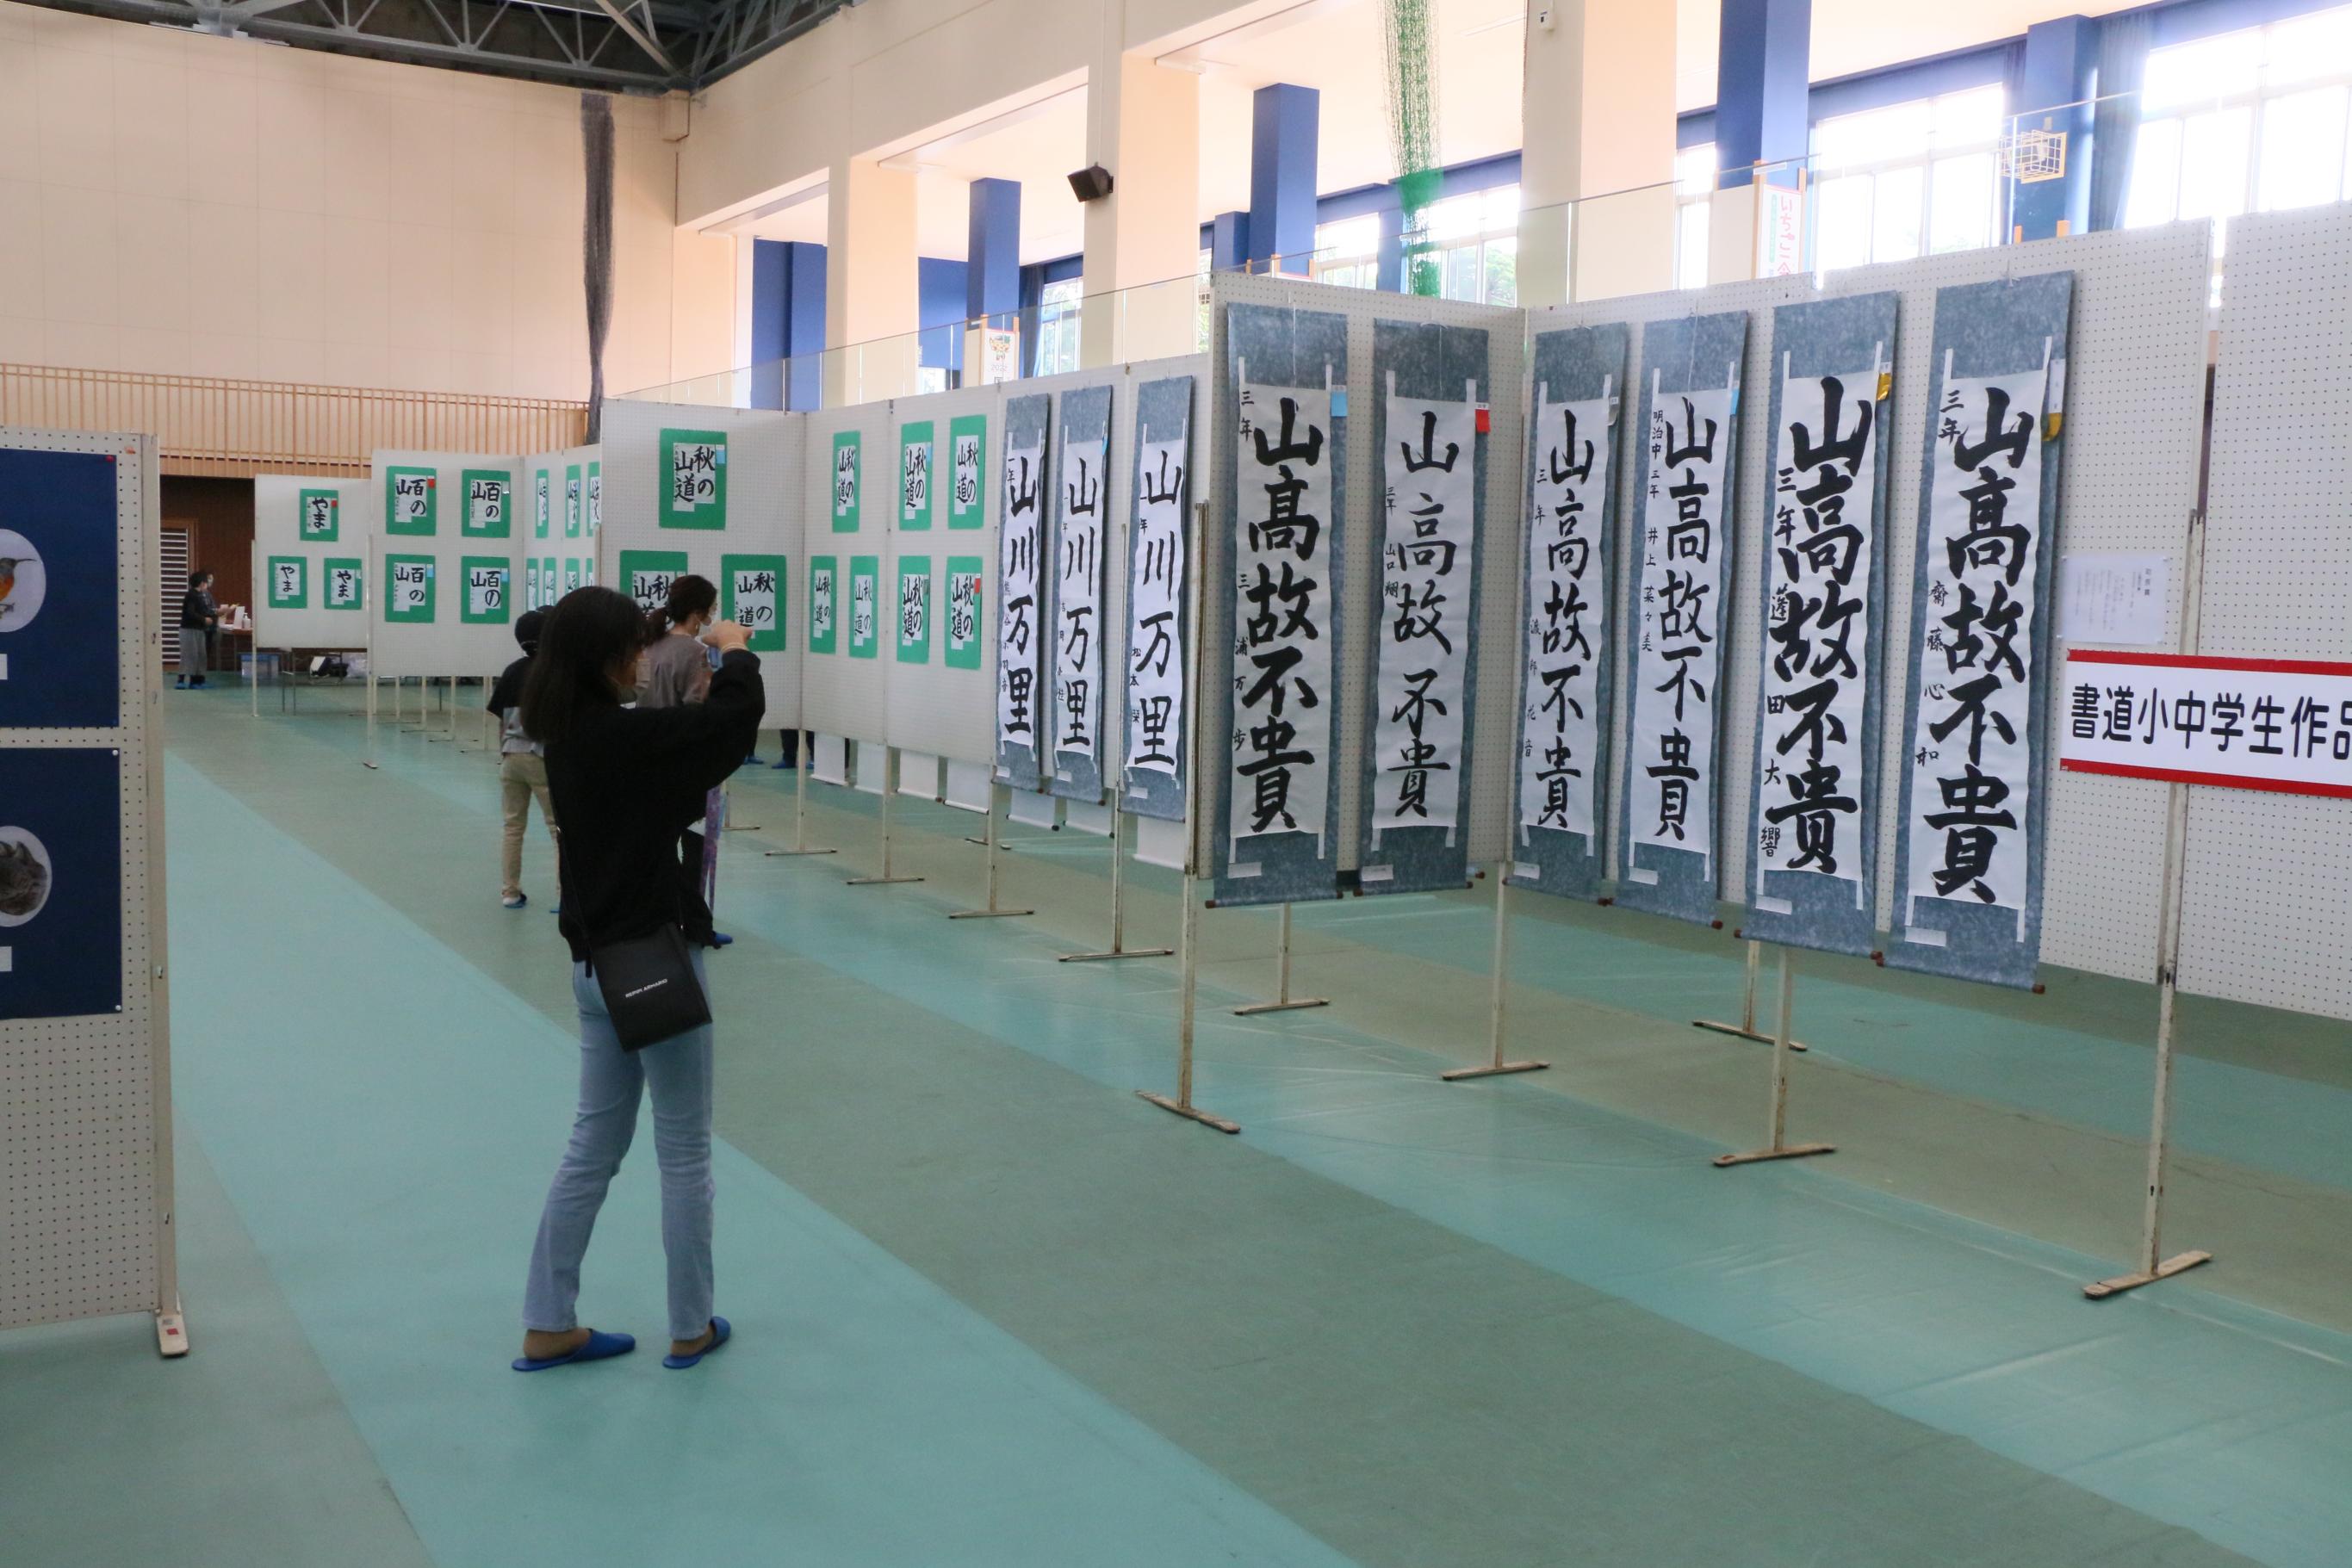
x=689, y=596
x=589, y=631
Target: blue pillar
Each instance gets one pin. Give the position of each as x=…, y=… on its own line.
x=1284, y=124
x=804, y=330
x=1229, y=241
x=993, y=250
x=2060, y=68
x=942, y=289
x=770, y=315
x=1762, y=71
x=1388, y=272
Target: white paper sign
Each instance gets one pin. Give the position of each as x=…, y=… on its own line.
x=1567, y=618
x=486, y=589
x=963, y=613
x=342, y=587
x=486, y=505
x=1019, y=635
x=595, y=501
x=1284, y=697
x=821, y=606
x=1683, y=549
x=1816, y=559
x=540, y=503
x=1081, y=500
x=966, y=494
x=1428, y=568
x=1155, y=614
x=693, y=480
x=755, y=599
x=318, y=516
x=862, y=608
x=410, y=493
x=289, y=578
x=409, y=583
x=2116, y=600
x=1971, y=754
x=915, y=610
x=2279, y=725
x=651, y=589
x=914, y=480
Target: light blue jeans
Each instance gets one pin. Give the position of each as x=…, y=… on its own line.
x=611, y=1083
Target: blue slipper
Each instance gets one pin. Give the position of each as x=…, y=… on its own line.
x=598, y=1346
x=721, y=940
x=720, y=1333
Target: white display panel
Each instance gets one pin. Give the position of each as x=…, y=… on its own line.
x=445, y=526
x=850, y=501
x=311, y=561
x=942, y=695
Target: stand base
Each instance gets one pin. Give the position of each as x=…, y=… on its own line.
x=773, y=854
x=171, y=1335
x=367, y=765
x=742, y=828
x=1190, y=1112
x=1756, y=1035
x=1256, y=1008
x=1493, y=1070
x=1785, y=1151
x=2179, y=1263
x=988, y=914
x=878, y=881
x=1122, y=953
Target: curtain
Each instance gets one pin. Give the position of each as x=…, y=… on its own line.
x=2114, y=129
x=597, y=245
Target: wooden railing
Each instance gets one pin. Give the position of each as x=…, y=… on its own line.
x=203, y=426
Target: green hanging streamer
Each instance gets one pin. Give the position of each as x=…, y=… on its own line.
x=1412, y=132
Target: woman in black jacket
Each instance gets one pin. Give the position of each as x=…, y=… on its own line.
x=626, y=782
x=198, y=616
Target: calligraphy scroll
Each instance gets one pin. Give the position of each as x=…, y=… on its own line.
x=1564, y=610
x=1081, y=536
x=1812, y=813
x=1158, y=562
x=1681, y=576
x=1416, y=768
x=1968, y=877
x=1272, y=649
x=1021, y=599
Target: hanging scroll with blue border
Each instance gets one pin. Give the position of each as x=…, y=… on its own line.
x=1562, y=755
x=1429, y=521
x=1159, y=533
x=1968, y=839
x=1271, y=697
x=1682, y=575
x=1022, y=601
x=1081, y=539
x=1820, y=573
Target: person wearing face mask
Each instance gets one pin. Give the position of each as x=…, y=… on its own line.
x=676, y=671
x=626, y=781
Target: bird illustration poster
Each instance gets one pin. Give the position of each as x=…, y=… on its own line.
x=61, y=882
x=60, y=661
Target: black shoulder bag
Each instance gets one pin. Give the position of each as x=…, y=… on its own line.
x=650, y=988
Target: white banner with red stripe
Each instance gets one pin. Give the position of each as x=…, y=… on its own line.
x=2281, y=725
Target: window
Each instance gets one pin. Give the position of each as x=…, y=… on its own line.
x=1474, y=244
x=2250, y=121
x=1693, y=201
x=1913, y=178
x=1058, y=328
x=1348, y=252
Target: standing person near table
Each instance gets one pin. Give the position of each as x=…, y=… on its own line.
x=198, y=615
x=678, y=671
x=626, y=781
x=522, y=764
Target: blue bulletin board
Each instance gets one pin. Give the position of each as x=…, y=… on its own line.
x=61, y=882
x=58, y=609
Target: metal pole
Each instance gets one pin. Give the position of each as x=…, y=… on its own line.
x=990, y=910
x=368, y=760
x=1282, y=1002
x=1746, y=1028
x=1779, y=1148
x=2154, y=1265
x=1498, y=1010
x=800, y=800
x=1119, y=948
x=889, y=789
x=1188, y=925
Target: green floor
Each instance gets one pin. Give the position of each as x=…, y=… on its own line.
x=995, y=1309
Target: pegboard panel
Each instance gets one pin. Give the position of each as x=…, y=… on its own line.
x=280, y=502
x=1490, y=742
x=85, y=1129
x=762, y=514
x=936, y=706
x=841, y=694
x=2265, y=917
x=2134, y=410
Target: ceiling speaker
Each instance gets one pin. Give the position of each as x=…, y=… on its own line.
x=1091, y=183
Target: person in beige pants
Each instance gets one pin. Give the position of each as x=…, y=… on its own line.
x=522, y=766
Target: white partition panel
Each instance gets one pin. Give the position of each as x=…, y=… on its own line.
x=310, y=587
x=941, y=481
x=848, y=494
x=449, y=536
x=556, y=523
x=2132, y=405
x=715, y=492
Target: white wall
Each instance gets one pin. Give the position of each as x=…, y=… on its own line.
x=177, y=203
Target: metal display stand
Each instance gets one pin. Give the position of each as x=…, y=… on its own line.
x=889, y=789
x=1745, y=1028
x=991, y=911
x=1496, y=1012
x=1119, y=948
x=1284, y=1001
x=1779, y=1148
x=800, y=801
